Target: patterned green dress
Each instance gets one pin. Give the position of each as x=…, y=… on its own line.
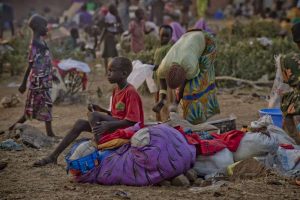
x=199, y=100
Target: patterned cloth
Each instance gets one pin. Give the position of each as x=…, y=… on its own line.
x=199, y=100
x=290, y=66
x=167, y=155
x=113, y=144
x=38, y=103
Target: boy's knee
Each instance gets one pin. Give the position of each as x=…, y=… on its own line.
x=80, y=124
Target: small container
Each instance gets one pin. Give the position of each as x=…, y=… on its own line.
x=275, y=113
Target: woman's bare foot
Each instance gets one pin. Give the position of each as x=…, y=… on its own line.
x=45, y=161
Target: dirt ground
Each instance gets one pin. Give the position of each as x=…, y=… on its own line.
x=22, y=181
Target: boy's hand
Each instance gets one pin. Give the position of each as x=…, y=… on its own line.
x=22, y=88
x=91, y=107
x=101, y=127
x=158, y=106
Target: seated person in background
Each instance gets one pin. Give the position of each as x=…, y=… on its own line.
x=290, y=103
x=165, y=34
x=71, y=42
x=126, y=110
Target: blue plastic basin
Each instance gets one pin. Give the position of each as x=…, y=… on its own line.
x=275, y=113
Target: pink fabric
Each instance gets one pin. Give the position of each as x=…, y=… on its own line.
x=137, y=35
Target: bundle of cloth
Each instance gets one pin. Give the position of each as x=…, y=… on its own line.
x=149, y=156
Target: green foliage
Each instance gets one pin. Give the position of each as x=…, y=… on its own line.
x=256, y=28
x=241, y=55
x=58, y=51
x=16, y=59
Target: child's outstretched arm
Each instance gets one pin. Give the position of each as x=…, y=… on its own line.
x=22, y=87
x=110, y=126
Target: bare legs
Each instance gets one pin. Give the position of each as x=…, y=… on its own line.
x=79, y=127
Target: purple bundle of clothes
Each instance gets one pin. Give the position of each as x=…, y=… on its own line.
x=167, y=155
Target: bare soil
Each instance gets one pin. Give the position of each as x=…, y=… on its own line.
x=19, y=180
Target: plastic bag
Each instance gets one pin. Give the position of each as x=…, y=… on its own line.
x=83, y=149
x=288, y=158
x=74, y=64
x=210, y=164
x=279, y=88
x=255, y=144
x=140, y=73
x=280, y=135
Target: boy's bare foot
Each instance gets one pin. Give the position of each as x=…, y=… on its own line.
x=45, y=161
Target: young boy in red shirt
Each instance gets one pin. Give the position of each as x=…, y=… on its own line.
x=126, y=110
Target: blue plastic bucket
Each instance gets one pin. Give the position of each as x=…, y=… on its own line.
x=275, y=113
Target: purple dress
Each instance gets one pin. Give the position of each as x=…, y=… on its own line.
x=38, y=103
x=178, y=31
x=167, y=155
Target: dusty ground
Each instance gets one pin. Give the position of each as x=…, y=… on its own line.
x=21, y=181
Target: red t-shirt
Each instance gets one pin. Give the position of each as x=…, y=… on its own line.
x=127, y=104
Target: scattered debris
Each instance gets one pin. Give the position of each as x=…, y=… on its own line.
x=210, y=188
x=13, y=85
x=122, y=194
x=191, y=175
x=10, y=145
x=32, y=136
x=180, y=180
x=12, y=101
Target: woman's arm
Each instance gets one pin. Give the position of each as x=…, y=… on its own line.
x=173, y=107
x=162, y=96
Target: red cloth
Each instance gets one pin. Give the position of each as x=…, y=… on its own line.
x=287, y=146
x=127, y=104
x=230, y=140
x=120, y=133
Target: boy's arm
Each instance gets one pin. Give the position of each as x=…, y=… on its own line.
x=92, y=108
x=109, y=126
x=22, y=87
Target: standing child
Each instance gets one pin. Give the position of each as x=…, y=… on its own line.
x=137, y=31
x=113, y=26
x=165, y=34
x=38, y=103
x=126, y=110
